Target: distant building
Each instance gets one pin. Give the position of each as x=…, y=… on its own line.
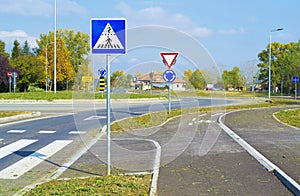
x=144, y=82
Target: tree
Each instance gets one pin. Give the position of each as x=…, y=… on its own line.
x=233, y=78
x=77, y=43
x=30, y=66
x=187, y=77
x=2, y=49
x=16, y=51
x=26, y=48
x=198, y=79
x=64, y=70
x=285, y=64
x=4, y=68
x=83, y=70
x=118, y=79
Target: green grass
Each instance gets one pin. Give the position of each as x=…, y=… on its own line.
x=291, y=117
x=50, y=96
x=157, y=118
x=4, y=114
x=105, y=185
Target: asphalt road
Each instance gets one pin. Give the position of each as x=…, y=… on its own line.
x=32, y=150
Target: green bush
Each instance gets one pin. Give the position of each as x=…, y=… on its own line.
x=35, y=89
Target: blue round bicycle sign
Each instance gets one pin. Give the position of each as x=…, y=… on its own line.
x=169, y=76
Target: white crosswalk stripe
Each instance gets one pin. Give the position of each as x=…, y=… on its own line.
x=24, y=165
x=11, y=148
x=77, y=132
x=16, y=131
x=46, y=132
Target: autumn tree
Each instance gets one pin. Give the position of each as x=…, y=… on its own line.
x=78, y=44
x=84, y=69
x=187, y=75
x=64, y=70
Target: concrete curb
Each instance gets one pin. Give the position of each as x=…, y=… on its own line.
x=19, y=117
x=290, y=183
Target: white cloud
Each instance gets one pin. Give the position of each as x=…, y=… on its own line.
x=10, y=36
x=40, y=7
x=134, y=61
x=68, y=7
x=26, y=7
x=160, y=16
x=231, y=31
x=200, y=32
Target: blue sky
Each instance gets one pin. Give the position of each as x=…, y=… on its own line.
x=233, y=31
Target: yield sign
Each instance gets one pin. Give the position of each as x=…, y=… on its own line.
x=169, y=58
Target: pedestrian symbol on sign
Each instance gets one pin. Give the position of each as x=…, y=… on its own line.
x=108, y=36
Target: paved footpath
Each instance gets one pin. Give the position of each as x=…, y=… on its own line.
x=277, y=142
x=198, y=158
x=224, y=169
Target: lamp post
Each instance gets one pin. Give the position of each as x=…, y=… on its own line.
x=54, y=77
x=269, y=87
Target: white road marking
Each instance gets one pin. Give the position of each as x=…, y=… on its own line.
x=95, y=117
x=206, y=121
x=46, y=132
x=13, y=147
x=193, y=119
x=217, y=114
x=77, y=132
x=190, y=123
x=16, y=131
x=24, y=165
x=202, y=115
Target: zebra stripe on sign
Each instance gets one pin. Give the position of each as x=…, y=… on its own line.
x=24, y=165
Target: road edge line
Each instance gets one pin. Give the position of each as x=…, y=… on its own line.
x=290, y=183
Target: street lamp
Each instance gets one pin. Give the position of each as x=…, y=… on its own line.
x=269, y=87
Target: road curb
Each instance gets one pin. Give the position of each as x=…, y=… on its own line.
x=19, y=117
x=290, y=183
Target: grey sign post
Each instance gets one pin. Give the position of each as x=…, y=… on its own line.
x=15, y=75
x=108, y=36
x=169, y=76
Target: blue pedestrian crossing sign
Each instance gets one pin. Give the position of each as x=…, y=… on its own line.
x=108, y=36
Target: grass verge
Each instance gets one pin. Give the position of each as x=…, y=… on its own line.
x=4, y=114
x=157, y=118
x=106, y=185
x=290, y=117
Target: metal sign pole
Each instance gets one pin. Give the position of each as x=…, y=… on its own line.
x=169, y=98
x=108, y=112
x=295, y=90
x=10, y=84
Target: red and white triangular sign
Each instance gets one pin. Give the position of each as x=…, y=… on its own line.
x=169, y=58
